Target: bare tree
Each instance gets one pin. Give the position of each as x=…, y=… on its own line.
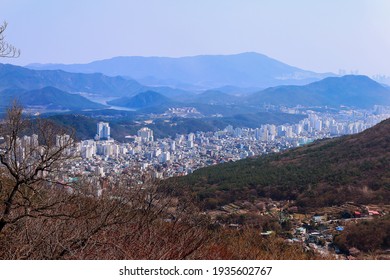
x=126, y=221
x=6, y=49
x=43, y=216
x=28, y=164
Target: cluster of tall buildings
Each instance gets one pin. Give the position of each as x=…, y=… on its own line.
x=184, y=153
x=145, y=135
x=26, y=151
x=255, y=140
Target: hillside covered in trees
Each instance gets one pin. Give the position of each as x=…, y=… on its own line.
x=327, y=172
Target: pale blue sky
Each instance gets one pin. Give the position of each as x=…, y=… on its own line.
x=322, y=35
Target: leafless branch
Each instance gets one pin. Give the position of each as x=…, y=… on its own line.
x=6, y=49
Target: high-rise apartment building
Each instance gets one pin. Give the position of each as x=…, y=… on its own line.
x=145, y=134
x=103, y=131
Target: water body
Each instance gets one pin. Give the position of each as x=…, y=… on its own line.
x=103, y=100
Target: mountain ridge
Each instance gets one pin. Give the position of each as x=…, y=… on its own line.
x=12, y=76
x=47, y=98
x=142, y=100
x=350, y=90
x=202, y=71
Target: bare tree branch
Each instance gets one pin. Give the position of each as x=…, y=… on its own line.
x=42, y=217
x=24, y=162
x=6, y=49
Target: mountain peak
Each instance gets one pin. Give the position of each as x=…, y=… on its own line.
x=249, y=69
x=352, y=90
x=142, y=100
x=349, y=78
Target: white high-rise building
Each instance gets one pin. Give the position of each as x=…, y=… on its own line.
x=191, y=137
x=34, y=140
x=157, y=152
x=281, y=131
x=88, y=151
x=229, y=129
x=146, y=134
x=318, y=125
x=62, y=140
x=289, y=132
x=298, y=128
x=165, y=156
x=103, y=131
x=173, y=146
x=258, y=133
x=237, y=132
x=264, y=136
x=272, y=130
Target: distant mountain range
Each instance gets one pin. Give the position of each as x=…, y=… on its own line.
x=325, y=173
x=197, y=72
x=143, y=100
x=352, y=91
x=12, y=76
x=48, y=98
x=216, y=97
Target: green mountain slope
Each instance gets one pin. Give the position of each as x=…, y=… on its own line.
x=353, y=91
x=12, y=76
x=328, y=172
x=215, y=97
x=48, y=98
x=142, y=100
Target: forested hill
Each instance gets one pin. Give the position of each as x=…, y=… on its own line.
x=327, y=172
x=351, y=90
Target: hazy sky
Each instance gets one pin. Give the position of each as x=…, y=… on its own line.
x=321, y=35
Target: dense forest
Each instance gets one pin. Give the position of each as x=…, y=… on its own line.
x=367, y=236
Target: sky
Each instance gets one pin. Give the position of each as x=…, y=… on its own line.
x=321, y=35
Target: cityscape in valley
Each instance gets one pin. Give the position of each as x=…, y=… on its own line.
x=231, y=156
x=184, y=153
